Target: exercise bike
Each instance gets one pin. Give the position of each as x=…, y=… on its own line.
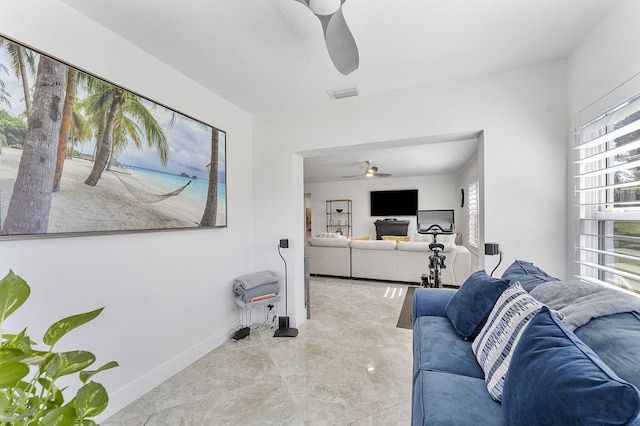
x=436, y=259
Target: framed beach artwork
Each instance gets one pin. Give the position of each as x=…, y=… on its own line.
x=80, y=155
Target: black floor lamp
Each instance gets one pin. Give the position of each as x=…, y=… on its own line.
x=491, y=249
x=283, y=322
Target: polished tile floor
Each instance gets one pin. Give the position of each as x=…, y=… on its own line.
x=349, y=365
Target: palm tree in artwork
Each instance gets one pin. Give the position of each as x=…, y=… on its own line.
x=96, y=104
x=30, y=204
x=74, y=125
x=81, y=130
x=211, y=208
x=23, y=64
x=118, y=116
x=65, y=127
x=105, y=104
x=132, y=122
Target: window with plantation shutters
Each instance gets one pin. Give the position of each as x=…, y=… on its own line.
x=474, y=224
x=606, y=182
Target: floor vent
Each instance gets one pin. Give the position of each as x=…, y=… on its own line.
x=343, y=93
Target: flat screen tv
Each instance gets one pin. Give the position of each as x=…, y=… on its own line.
x=394, y=203
x=442, y=218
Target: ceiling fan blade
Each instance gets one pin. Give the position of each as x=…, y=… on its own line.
x=340, y=43
x=370, y=171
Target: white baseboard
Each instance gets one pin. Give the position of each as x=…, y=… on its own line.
x=299, y=318
x=129, y=393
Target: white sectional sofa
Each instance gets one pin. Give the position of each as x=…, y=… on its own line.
x=329, y=256
x=386, y=259
x=374, y=259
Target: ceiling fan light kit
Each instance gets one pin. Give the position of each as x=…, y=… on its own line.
x=370, y=171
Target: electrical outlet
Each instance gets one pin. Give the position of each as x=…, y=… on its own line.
x=284, y=243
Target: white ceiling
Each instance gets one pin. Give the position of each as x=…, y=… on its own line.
x=415, y=157
x=265, y=55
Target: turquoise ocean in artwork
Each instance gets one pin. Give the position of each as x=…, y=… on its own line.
x=163, y=183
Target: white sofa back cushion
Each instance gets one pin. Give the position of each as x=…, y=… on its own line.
x=328, y=241
x=448, y=240
x=373, y=244
x=413, y=246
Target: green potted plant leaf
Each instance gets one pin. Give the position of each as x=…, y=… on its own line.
x=28, y=393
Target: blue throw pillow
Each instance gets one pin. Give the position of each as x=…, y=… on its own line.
x=527, y=274
x=554, y=378
x=470, y=306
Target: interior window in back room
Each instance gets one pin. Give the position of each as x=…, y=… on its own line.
x=472, y=205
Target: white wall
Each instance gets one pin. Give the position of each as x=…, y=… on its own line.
x=168, y=295
x=522, y=113
x=606, y=58
x=434, y=192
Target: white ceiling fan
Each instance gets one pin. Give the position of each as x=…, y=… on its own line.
x=370, y=171
x=340, y=42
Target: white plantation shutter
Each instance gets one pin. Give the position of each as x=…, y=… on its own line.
x=474, y=224
x=606, y=183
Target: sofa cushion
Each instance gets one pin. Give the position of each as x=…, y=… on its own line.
x=373, y=244
x=527, y=273
x=413, y=246
x=555, y=378
x=363, y=237
x=395, y=237
x=423, y=238
x=328, y=242
x=616, y=341
x=437, y=347
x=430, y=302
x=450, y=399
x=494, y=345
x=469, y=308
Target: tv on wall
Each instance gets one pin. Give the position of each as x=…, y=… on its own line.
x=394, y=203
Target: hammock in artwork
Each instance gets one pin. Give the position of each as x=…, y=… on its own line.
x=141, y=194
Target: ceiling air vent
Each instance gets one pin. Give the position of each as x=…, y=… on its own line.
x=343, y=93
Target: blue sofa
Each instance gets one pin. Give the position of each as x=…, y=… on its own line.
x=555, y=376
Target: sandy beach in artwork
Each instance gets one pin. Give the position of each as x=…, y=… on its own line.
x=108, y=206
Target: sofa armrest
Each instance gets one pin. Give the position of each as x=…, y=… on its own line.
x=461, y=265
x=430, y=302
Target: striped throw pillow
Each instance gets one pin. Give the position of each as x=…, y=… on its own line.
x=498, y=338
